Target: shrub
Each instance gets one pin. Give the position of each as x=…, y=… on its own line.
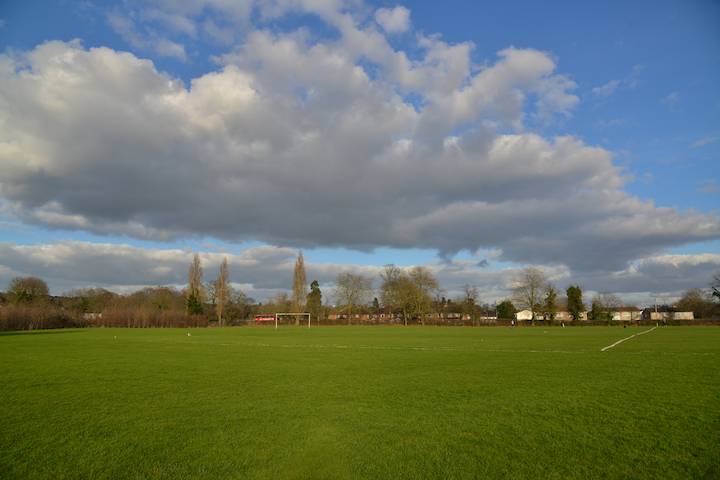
x=144, y=318
x=27, y=317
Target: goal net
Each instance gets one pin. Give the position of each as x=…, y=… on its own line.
x=304, y=317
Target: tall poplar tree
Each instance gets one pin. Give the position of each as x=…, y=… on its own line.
x=299, y=290
x=194, y=295
x=222, y=291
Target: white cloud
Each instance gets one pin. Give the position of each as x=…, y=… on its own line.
x=176, y=23
x=263, y=271
x=671, y=99
x=709, y=185
x=607, y=89
x=217, y=33
x=630, y=81
x=294, y=141
x=161, y=26
x=395, y=20
x=707, y=140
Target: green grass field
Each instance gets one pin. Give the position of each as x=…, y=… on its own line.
x=354, y=402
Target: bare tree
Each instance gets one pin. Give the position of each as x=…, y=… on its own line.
x=352, y=290
x=239, y=305
x=697, y=301
x=408, y=292
x=419, y=296
x=603, y=305
x=715, y=286
x=280, y=303
x=396, y=291
x=299, y=290
x=470, y=301
x=390, y=288
x=222, y=291
x=195, y=295
x=528, y=289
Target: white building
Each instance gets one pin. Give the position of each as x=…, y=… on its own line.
x=627, y=315
x=659, y=316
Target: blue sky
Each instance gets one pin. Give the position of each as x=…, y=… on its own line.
x=645, y=75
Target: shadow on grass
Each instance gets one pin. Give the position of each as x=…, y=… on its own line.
x=40, y=332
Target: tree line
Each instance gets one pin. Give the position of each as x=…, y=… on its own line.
x=409, y=295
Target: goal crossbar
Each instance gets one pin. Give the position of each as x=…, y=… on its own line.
x=277, y=315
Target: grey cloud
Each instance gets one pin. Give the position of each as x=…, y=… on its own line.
x=263, y=271
x=121, y=267
x=292, y=143
x=663, y=274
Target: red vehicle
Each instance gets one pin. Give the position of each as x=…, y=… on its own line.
x=264, y=318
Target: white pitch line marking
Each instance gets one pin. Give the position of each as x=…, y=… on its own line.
x=398, y=347
x=627, y=338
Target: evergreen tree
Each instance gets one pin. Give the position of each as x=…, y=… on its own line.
x=314, y=301
x=574, y=301
x=550, y=303
x=375, y=306
x=193, y=305
x=506, y=309
x=597, y=312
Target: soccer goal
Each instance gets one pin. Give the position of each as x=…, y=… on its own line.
x=294, y=315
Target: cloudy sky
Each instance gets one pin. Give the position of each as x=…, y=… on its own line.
x=470, y=137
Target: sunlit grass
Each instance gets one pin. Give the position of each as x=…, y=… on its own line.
x=353, y=402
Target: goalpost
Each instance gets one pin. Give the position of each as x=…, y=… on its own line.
x=277, y=315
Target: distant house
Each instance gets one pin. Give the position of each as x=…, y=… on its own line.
x=626, y=314
x=664, y=316
x=565, y=316
x=523, y=315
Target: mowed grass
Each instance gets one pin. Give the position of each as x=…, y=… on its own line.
x=354, y=402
